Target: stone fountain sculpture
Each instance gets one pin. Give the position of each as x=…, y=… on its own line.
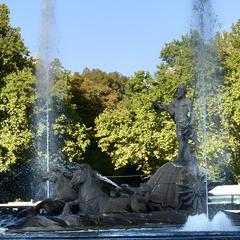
x=174, y=191
x=183, y=174
x=181, y=111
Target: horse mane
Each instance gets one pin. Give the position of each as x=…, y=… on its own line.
x=91, y=172
x=66, y=169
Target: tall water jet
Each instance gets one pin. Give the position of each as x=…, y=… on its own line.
x=44, y=115
x=208, y=88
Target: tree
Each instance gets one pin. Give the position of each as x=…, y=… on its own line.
x=95, y=90
x=177, y=67
x=69, y=137
x=132, y=133
x=16, y=99
x=229, y=47
x=14, y=55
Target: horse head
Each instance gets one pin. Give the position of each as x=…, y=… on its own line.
x=81, y=175
x=58, y=172
x=61, y=176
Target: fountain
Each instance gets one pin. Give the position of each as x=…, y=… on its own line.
x=177, y=193
x=208, y=91
x=44, y=105
x=220, y=222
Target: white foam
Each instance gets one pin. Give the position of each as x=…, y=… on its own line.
x=220, y=222
x=3, y=230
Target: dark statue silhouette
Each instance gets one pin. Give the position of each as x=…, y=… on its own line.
x=181, y=111
x=173, y=192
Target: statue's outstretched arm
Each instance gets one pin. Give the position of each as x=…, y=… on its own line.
x=168, y=108
x=157, y=106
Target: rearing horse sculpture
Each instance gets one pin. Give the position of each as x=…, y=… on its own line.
x=91, y=199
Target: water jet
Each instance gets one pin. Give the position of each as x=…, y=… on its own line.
x=177, y=193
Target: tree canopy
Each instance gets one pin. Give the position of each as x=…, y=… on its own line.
x=107, y=119
x=14, y=55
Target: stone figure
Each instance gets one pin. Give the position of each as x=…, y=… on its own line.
x=181, y=111
x=60, y=176
x=91, y=199
x=171, y=193
x=139, y=197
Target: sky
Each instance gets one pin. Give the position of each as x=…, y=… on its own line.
x=113, y=35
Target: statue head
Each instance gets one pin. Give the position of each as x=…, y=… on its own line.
x=80, y=176
x=181, y=91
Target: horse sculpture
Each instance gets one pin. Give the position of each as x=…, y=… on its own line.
x=60, y=176
x=91, y=199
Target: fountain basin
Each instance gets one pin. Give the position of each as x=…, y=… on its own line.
x=165, y=233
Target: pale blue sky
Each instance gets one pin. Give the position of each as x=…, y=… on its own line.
x=113, y=35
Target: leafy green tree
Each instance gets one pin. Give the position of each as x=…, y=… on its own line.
x=68, y=135
x=74, y=136
x=95, y=90
x=16, y=99
x=177, y=67
x=14, y=55
x=132, y=133
x=229, y=47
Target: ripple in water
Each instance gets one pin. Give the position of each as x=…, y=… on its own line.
x=220, y=222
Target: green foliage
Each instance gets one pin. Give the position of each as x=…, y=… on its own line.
x=75, y=137
x=13, y=53
x=141, y=82
x=177, y=68
x=229, y=47
x=62, y=83
x=102, y=117
x=95, y=90
x=16, y=94
x=133, y=133
x=16, y=98
x=71, y=134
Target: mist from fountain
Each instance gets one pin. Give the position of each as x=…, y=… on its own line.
x=44, y=116
x=208, y=104
x=203, y=16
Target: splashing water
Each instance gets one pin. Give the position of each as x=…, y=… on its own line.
x=2, y=230
x=209, y=87
x=105, y=179
x=44, y=84
x=201, y=222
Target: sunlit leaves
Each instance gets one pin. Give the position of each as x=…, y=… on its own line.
x=75, y=137
x=13, y=53
x=133, y=133
x=16, y=98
